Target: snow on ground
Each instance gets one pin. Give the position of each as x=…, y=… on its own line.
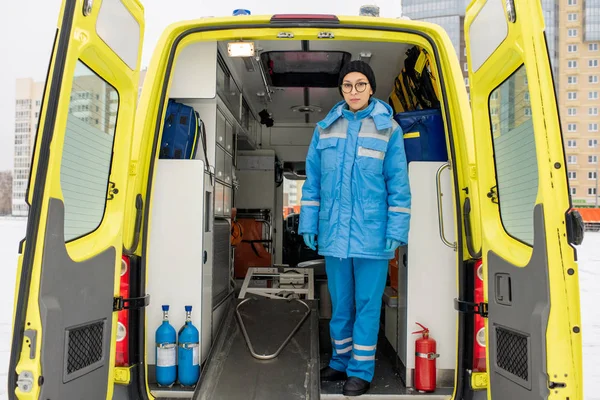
x=13, y=230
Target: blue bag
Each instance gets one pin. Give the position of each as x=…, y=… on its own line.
x=180, y=133
x=424, y=135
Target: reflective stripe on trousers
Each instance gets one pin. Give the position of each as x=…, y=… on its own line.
x=356, y=288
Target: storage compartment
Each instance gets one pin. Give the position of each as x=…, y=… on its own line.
x=423, y=286
x=175, y=261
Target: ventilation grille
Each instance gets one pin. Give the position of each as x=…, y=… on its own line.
x=511, y=353
x=84, y=346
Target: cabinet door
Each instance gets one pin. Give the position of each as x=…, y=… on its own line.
x=219, y=199
x=227, y=201
x=229, y=137
x=220, y=167
x=227, y=167
x=221, y=129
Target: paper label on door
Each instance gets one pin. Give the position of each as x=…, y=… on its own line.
x=196, y=352
x=166, y=357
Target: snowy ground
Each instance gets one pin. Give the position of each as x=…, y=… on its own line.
x=13, y=230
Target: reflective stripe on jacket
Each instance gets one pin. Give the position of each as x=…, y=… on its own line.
x=356, y=192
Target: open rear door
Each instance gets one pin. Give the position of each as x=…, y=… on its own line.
x=65, y=327
x=534, y=336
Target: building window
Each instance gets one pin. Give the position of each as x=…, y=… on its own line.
x=572, y=95
x=573, y=191
x=528, y=111
x=593, y=111
x=593, y=127
x=571, y=143
x=515, y=151
x=593, y=63
x=467, y=82
x=572, y=2
x=571, y=159
x=572, y=111
x=466, y=67
x=572, y=127
x=593, y=159
x=572, y=48
x=593, y=79
x=592, y=191
x=592, y=175
x=593, y=47
x=593, y=143
x=592, y=95
x=572, y=17
x=572, y=174
x=571, y=80
x=572, y=64
x=572, y=32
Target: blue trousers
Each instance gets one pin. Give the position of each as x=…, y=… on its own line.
x=356, y=287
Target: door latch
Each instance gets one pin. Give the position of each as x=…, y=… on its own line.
x=120, y=303
x=468, y=307
x=493, y=194
x=112, y=190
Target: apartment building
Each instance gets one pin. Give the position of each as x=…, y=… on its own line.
x=93, y=102
x=28, y=98
x=579, y=95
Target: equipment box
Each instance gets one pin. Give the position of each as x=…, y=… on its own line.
x=424, y=137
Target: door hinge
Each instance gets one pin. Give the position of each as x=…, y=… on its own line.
x=119, y=303
x=112, y=190
x=468, y=307
x=493, y=194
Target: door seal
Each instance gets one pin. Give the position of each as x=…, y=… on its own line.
x=468, y=307
x=119, y=303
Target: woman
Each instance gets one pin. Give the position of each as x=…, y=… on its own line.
x=357, y=199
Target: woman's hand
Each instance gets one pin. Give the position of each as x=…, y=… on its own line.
x=309, y=239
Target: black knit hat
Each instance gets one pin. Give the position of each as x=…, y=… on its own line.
x=357, y=66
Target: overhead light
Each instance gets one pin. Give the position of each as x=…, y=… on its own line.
x=365, y=56
x=240, y=49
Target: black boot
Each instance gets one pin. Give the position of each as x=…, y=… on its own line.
x=329, y=374
x=355, y=386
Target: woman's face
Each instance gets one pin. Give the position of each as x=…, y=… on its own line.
x=357, y=91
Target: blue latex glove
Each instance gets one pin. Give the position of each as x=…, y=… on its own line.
x=391, y=244
x=309, y=239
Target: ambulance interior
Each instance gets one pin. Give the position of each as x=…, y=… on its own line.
x=259, y=115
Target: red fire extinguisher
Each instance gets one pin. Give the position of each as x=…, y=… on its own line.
x=425, y=355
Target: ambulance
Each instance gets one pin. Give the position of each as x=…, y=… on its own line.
x=116, y=230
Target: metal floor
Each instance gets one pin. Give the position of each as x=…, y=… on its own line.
x=386, y=383
x=232, y=373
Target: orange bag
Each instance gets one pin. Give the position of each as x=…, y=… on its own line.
x=251, y=251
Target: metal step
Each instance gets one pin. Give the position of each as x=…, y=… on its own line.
x=414, y=396
x=231, y=371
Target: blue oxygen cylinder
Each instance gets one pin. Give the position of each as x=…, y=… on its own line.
x=166, y=351
x=189, y=349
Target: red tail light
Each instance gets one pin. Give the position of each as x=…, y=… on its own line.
x=122, y=353
x=479, y=334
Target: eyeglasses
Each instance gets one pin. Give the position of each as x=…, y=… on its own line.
x=359, y=86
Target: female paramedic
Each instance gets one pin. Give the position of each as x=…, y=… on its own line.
x=357, y=199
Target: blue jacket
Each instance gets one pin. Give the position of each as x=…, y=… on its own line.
x=356, y=192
